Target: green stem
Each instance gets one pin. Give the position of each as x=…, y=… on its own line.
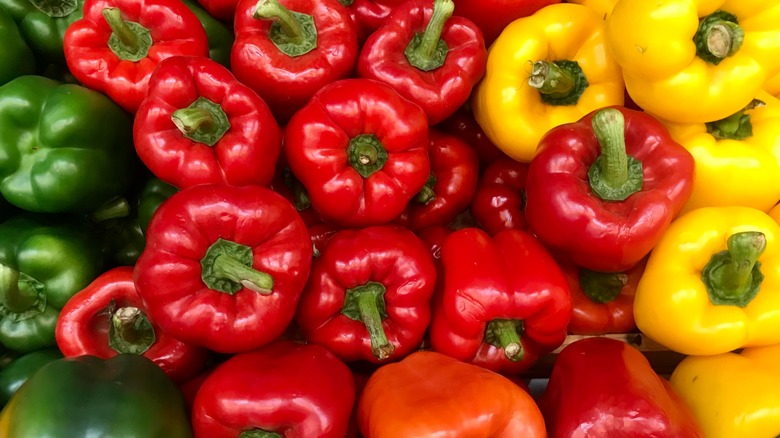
x=366, y=303
x=203, y=121
x=113, y=209
x=601, y=287
x=19, y=292
x=427, y=51
x=227, y=267
x=614, y=176
x=718, y=37
x=426, y=194
x=346, y=3
x=259, y=433
x=736, y=126
x=273, y=10
x=129, y=40
x=293, y=33
x=56, y=9
x=130, y=331
x=505, y=334
x=558, y=82
x=366, y=154
x=733, y=277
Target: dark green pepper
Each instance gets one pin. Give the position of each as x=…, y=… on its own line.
x=127, y=396
x=154, y=193
x=219, y=35
x=16, y=368
x=16, y=58
x=42, y=24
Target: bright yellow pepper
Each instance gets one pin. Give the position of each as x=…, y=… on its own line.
x=772, y=86
x=602, y=7
x=668, y=76
x=737, y=159
x=712, y=283
x=544, y=70
x=733, y=395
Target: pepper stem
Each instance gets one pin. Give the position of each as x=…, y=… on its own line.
x=273, y=10
x=718, y=37
x=601, y=287
x=227, y=267
x=366, y=154
x=366, y=303
x=129, y=40
x=613, y=176
x=733, y=277
x=259, y=433
x=292, y=32
x=505, y=334
x=427, y=194
x=56, y=9
x=130, y=330
x=114, y=209
x=18, y=292
x=203, y=121
x=427, y=51
x=736, y=126
x=558, y=82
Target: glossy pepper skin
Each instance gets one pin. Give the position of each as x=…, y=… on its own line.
x=434, y=395
x=199, y=125
x=284, y=389
x=16, y=368
x=709, y=285
x=499, y=201
x=16, y=58
x=503, y=301
x=360, y=150
x=43, y=263
x=427, y=55
x=125, y=396
x=107, y=318
x=462, y=124
x=43, y=24
x=117, y=44
x=493, y=16
x=369, y=15
x=601, y=7
x=545, y=70
x=603, y=190
x=219, y=34
x=286, y=50
x=54, y=167
x=698, y=83
x=732, y=394
x=224, y=266
x=605, y=387
x=368, y=294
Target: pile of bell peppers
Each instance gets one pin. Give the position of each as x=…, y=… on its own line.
x=380, y=218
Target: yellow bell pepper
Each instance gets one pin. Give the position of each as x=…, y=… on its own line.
x=544, y=70
x=712, y=283
x=602, y=7
x=772, y=86
x=737, y=159
x=733, y=395
x=668, y=76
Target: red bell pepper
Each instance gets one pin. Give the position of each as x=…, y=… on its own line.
x=284, y=389
x=368, y=295
x=604, y=387
x=426, y=55
x=499, y=202
x=369, y=15
x=360, y=150
x=320, y=236
x=450, y=187
x=199, y=125
x=463, y=125
x=224, y=266
x=286, y=50
x=117, y=44
x=603, y=190
x=503, y=302
x=223, y=10
x=434, y=236
x=287, y=185
x=492, y=16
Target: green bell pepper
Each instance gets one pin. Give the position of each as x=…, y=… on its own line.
x=42, y=24
x=16, y=368
x=219, y=35
x=154, y=193
x=63, y=147
x=122, y=397
x=16, y=58
x=42, y=264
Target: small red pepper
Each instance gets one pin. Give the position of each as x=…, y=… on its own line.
x=602, y=191
x=492, y=16
x=368, y=294
x=499, y=201
x=199, y=125
x=463, y=125
x=504, y=301
x=286, y=50
x=429, y=56
x=117, y=44
x=108, y=318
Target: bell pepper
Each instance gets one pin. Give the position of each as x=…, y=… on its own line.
x=220, y=35
x=320, y=236
x=283, y=389
x=199, y=125
x=360, y=150
x=709, y=284
x=224, y=266
x=222, y=10
x=286, y=50
x=772, y=85
x=107, y=318
x=153, y=194
x=603, y=190
x=42, y=25
x=369, y=15
x=499, y=201
x=545, y=70
x=694, y=61
x=117, y=44
x=50, y=166
x=605, y=387
x=127, y=395
x=368, y=295
x=15, y=369
x=16, y=58
x=428, y=394
x=493, y=16
x=434, y=236
x=43, y=263
x=601, y=7
x=287, y=185
x=733, y=394
x=427, y=55
x=504, y=301
x=463, y=125
x=742, y=150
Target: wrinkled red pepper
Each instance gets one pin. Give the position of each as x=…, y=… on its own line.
x=199, y=125
x=117, y=44
x=492, y=16
x=463, y=125
x=369, y=15
x=427, y=55
x=499, y=201
x=504, y=301
x=368, y=294
x=603, y=190
x=286, y=50
x=224, y=266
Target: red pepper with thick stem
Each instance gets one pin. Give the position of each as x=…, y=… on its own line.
x=224, y=266
x=199, y=125
x=286, y=50
x=427, y=55
x=463, y=125
x=118, y=43
x=499, y=201
x=368, y=294
x=360, y=150
x=492, y=16
x=369, y=15
x=503, y=300
x=107, y=318
x=603, y=190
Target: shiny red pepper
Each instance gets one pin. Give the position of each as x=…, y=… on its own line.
x=199, y=125
x=223, y=10
x=117, y=44
x=499, y=201
x=492, y=16
x=427, y=55
x=463, y=125
x=369, y=15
